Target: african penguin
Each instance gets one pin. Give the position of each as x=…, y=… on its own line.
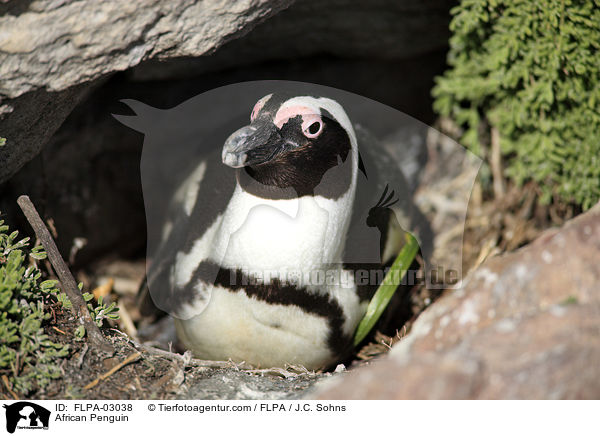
x=258, y=255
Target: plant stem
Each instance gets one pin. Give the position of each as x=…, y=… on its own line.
x=67, y=280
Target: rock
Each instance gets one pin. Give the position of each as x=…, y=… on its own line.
x=49, y=47
x=346, y=29
x=30, y=120
x=58, y=44
x=54, y=51
x=524, y=325
x=231, y=384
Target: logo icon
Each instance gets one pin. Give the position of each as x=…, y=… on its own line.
x=26, y=415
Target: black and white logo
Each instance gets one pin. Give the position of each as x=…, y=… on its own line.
x=26, y=415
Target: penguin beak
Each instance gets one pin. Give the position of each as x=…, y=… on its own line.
x=252, y=145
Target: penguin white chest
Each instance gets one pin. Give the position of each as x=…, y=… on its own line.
x=291, y=323
x=284, y=235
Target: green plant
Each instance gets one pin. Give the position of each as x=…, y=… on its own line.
x=2, y=141
x=27, y=356
x=387, y=288
x=531, y=70
x=101, y=311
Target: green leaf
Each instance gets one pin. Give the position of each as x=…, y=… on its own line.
x=387, y=288
x=48, y=284
x=80, y=332
x=38, y=253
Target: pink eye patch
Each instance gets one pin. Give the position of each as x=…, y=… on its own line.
x=312, y=124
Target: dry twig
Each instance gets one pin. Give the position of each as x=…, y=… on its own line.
x=82, y=355
x=131, y=358
x=58, y=330
x=64, y=275
x=188, y=361
x=496, y=164
x=7, y=384
x=125, y=321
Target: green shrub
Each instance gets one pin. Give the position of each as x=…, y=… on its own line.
x=532, y=71
x=100, y=312
x=27, y=356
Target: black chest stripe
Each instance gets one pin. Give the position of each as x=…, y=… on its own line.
x=278, y=292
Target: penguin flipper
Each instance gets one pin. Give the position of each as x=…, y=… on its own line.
x=186, y=222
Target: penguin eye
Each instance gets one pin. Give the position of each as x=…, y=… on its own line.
x=313, y=130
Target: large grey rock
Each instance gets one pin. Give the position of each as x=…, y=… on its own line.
x=32, y=119
x=346, y=29
x=524, y=325
x=57, y=44
x=54, y=51
x=49, y=47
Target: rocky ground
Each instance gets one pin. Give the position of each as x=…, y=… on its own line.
x=523, y=325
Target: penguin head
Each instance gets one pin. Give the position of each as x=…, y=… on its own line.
x=292, y=141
